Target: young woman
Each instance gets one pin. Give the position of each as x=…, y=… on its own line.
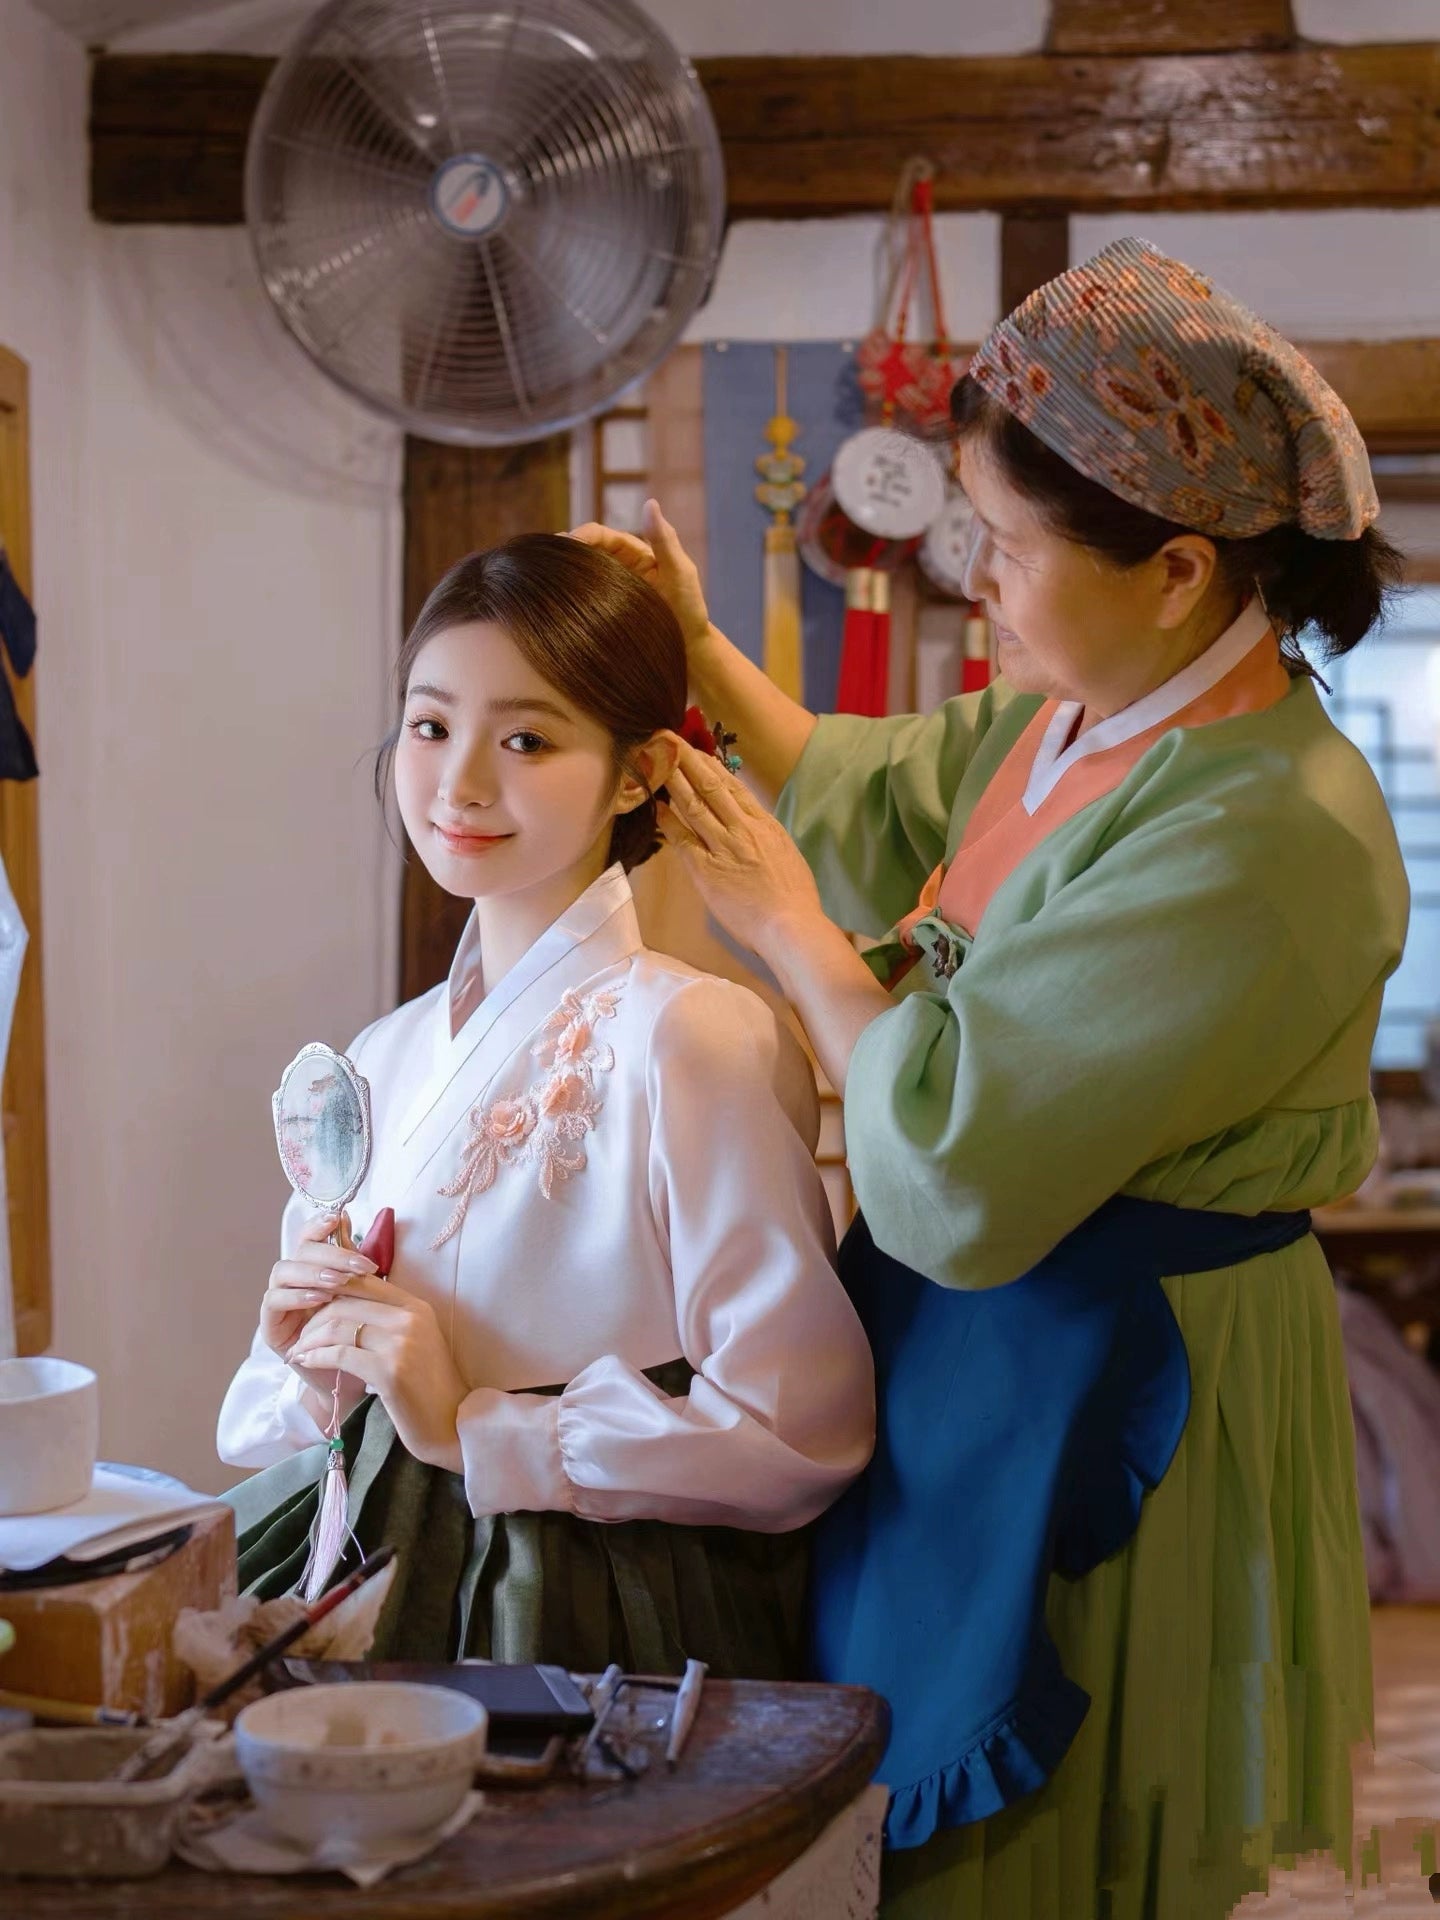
x=612, y=1374
x=1143, y=898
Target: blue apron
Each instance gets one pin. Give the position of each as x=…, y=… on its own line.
x=1019, y=1429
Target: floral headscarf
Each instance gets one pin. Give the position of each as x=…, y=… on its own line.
x=1148, y=379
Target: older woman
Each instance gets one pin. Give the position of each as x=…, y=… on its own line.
x=1141, y=899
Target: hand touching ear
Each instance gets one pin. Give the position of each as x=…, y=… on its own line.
x=750, y=873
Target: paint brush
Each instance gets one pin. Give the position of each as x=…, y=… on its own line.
x=176, y=1731
x=69, y=1713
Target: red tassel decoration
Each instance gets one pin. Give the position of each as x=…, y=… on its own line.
x=853, y=693
x=879, y=645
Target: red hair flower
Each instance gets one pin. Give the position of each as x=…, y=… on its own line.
x=696, y=731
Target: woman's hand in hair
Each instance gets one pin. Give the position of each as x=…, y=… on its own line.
x=750, y=873
x=659, y=559
x=390, y=1342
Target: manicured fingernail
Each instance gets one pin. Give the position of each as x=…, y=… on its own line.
x=314, y=1297
x=329, y=1273
x=357, y=1263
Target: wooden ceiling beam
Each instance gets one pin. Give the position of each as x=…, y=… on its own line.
x=1301, y=127
x=1169, y=26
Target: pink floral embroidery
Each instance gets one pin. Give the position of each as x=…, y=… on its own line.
x=545, y=1125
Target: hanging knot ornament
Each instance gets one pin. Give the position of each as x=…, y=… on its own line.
x=870, y=512
x=906, y=378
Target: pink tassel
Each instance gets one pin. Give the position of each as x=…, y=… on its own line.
x=331, y=1531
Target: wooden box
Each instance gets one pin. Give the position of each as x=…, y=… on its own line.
x=107, y=1642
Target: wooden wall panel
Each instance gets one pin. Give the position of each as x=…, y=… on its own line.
x=23, y=1099
x=675, y=429
x=458, y=499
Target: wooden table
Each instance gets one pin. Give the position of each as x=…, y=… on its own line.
x=1398, y=1229
x=1389, y=1253
x=765, y=1771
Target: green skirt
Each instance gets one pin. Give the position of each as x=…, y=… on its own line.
x=1226, y=1649
x=522, y=1587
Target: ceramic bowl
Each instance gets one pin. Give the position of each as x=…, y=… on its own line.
x=49, y=1433
x=360, y=1763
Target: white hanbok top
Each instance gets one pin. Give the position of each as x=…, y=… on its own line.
x=609, y=1164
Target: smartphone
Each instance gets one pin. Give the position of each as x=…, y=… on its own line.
x=522, y=1701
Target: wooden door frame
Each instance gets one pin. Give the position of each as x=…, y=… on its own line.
x=23, y=1100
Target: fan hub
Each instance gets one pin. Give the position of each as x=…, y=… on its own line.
x=469, y=196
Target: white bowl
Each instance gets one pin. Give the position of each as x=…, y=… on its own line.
x=49, y=1433
x=362, y=1762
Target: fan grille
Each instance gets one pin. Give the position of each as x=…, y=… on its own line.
x=485, y=222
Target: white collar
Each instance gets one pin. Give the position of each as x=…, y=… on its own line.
x=1054, y=759
x=582, y=918
x=596, y=932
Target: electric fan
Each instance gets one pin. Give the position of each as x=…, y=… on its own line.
x=484, y=221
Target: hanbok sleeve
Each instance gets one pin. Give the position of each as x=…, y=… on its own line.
x=779, y=1416
x=869, y=804
x=262, y=1417
x=1170, y=991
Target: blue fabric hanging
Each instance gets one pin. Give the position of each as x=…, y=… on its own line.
x=739, y=389
x=1019, y=1429
x=18, y=634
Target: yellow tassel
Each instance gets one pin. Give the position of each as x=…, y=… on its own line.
x=783, y=660
x=781, y=491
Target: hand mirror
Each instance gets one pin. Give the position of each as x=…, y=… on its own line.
x=322, y=1126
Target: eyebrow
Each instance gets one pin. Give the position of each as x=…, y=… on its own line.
x=427, y=690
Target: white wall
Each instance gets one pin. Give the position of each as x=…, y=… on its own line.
x=1351, y=274
x=240, y=563
x=216, y=546
x=698, y=27
x=703, y=27
x=820, y=279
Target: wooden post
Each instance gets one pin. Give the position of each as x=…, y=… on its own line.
x=1034, y=247
x=1168, y=26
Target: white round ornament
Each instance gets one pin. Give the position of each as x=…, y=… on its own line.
x=945, y=551
x=888, y=483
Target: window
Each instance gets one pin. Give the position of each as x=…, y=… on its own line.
x=1387, y=699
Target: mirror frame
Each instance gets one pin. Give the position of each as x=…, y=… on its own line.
x=359, y=1086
